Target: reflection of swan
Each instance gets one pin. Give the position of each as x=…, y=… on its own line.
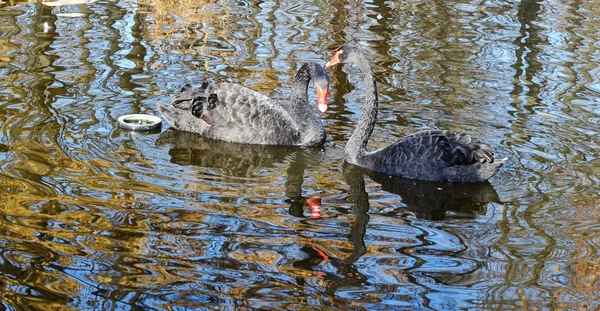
x=428, y=199
x=236, y=160
x=234, y=113
x=243, y=160
x=293, y=184
x=430, y=155
x=425, y=199
x=351, y=276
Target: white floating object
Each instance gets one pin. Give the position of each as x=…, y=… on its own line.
x=47, y=27
x=139, y=122
x=66, y=2
x=70, y=14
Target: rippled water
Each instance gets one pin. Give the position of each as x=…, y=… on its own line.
x=94, y=217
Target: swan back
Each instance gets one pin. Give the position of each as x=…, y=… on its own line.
x=234, y=113
x=435, y=155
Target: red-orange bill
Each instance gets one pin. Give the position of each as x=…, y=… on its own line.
x=334, y=60
x=322, y=98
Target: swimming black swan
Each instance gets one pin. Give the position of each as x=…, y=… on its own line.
x=434, y=155
x=234, y=113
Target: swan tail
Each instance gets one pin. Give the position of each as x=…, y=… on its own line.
x=180, y=119
x=487, y=170
x=478, y=172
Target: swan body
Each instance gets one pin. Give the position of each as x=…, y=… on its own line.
x=434, y=155
x=233, y=113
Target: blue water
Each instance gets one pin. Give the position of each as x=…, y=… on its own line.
x=93, y=217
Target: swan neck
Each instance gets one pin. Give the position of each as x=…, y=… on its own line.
x=300, y=86
x=357, y=144
x=308, y=123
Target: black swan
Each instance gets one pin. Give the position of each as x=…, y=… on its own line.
x=234, y=113
x=434, y=155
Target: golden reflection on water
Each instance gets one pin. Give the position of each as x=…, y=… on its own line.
x=95, y=217
x=191, y=22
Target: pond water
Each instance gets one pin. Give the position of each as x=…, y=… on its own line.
x=94, y=217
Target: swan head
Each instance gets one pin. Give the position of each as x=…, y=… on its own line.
x=345, y=54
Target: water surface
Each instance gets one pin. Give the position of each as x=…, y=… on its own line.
x=94, y=217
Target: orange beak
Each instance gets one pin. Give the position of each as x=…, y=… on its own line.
x=334, y=60
x=322, y=98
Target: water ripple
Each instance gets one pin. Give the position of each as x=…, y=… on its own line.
x=93, y=217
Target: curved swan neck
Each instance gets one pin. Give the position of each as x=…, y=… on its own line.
x=300, y=86
x=301, y=112
x=357, y=144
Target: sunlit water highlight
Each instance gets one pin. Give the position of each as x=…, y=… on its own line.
x=95, y=217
